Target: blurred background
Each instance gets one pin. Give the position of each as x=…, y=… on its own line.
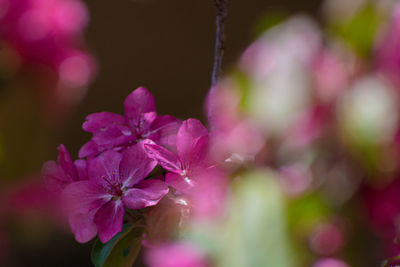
x=166, y=46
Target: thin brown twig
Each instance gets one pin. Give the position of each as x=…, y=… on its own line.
x=221, y=6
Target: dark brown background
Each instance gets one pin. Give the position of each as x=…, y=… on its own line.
x=165, y=45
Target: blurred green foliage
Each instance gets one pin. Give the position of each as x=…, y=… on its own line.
x=359, y=31
x=256, y=221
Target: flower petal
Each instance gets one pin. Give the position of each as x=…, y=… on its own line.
x=138, y=102
x=109, y=129
x=135, y=165
x=188, y=134
x=105, y=168
x=181, y=183
x=54, y=177
x=59, y=176
x=165, y=158
x=84, y=197
x=89, y=149
x=196, y=160
x=98, y=123
x=145, y=121
x=146, y=193
x=164, y=130
x=81, y=167
x=109, y=219
x=66, y=163
x=82, y=226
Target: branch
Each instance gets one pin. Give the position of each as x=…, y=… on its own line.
x=221, y=6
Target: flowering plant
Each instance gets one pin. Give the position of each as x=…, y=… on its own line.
x=298, y=165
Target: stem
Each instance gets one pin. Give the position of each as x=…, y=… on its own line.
x=221, y=6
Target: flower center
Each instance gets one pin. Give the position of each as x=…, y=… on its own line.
x=185, y=176
x=113, y=188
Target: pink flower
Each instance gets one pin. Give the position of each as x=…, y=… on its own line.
x=192, y=146
x=115, y=181
x=113, y=131
x=175, y=255
x=58, y=175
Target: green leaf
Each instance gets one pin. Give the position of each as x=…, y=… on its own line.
x=306, y=211
x=360, y=30
x=121, y=250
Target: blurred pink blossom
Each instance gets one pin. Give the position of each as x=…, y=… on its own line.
x=279, y=68
x=387, y=52
x=309, y=126
x=330, y=76
x=234, y=138
x=27, y=196
x=45, y=36
x=22, y=201
x=175, y=255
x=297, y=39
x=330, y=262
x=208, y=197
x=41, y=30
x=295, y=179
x=383, y=209
x=326, y=239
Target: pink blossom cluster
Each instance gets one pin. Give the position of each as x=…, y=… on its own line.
x=312, y=113
x=320, y=98
x=116, y=169
x=44, y=37
x=316, y=98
